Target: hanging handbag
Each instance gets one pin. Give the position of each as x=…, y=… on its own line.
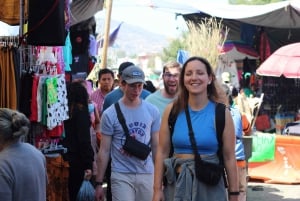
x=206, y=172
x=131, y=145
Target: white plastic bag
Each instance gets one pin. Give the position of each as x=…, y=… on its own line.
x=86, y=192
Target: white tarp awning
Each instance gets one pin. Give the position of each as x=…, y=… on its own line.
x=284, y=14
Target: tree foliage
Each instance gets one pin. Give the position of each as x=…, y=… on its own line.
x=170, y=52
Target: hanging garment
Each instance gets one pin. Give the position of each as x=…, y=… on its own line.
x=46, y=23
x=8, y=90
x=26, y=93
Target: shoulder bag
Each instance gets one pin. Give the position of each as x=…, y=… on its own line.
x=131, y=145
x=206, y=172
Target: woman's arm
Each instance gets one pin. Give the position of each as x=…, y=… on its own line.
x=229, y=155
x=162, y=153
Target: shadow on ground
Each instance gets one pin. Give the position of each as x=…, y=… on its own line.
x=272, y=192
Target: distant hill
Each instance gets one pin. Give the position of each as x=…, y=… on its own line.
x=135, y=40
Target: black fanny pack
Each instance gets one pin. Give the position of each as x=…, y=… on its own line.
x=136, y=148
x=208, y=173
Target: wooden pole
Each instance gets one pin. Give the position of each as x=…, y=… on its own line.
x=103, y=63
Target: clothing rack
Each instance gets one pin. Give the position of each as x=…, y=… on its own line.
x=9, y=41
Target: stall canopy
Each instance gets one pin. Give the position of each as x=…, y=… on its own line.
x=80, y=10
x=280, y=21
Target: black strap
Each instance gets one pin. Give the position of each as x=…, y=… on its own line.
x=220, y=124
x=171, y=122
x=191, y=134
x=123, y=122
x=121, y=119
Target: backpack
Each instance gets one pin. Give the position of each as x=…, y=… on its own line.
x=220, y=124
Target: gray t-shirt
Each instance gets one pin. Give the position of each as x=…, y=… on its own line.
x=142, y=122
x=23, y=173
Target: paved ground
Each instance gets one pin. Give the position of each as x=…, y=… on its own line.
x=272, y=192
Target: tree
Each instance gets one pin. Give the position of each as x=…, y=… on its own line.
x=170, y=52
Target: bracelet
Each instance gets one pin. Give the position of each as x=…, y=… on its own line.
x=97, y=183
x=234, y=193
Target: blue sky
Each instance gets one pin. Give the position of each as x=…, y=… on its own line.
x=158, y=19
x=154, y=15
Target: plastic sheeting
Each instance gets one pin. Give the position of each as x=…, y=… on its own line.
x=285, y=168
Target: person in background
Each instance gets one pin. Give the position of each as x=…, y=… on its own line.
x=23, y=174
x=111, y=98
x=131, y=177
x=199, y=91
x=105, y=85
x=239, y=146
x=149, y=86
x=167, y=94
x=95, y=124
x=77, y=140
x=116, y=83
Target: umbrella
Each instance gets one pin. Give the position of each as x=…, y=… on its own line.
x=238, y=50
x=284, y=61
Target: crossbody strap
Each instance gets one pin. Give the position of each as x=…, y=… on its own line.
x=191, y=135
x=121, y=119
x=123, y=122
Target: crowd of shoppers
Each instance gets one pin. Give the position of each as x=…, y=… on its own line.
x=168, y=172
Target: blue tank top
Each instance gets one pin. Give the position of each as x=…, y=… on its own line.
x=203, y=123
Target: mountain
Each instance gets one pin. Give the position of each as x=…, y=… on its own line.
x=135, y=40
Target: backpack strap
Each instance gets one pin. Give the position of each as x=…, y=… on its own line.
x=171, y=122
x=121, y=119
x=220, y=125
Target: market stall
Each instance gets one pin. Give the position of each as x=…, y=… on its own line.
x=275, y=159
x=33, y=68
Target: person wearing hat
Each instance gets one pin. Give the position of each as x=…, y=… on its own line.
x=23, y=174
x=111, y=98
x=131, y=177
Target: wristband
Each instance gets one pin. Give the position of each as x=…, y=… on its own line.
x=98, y=183
x=234, y=193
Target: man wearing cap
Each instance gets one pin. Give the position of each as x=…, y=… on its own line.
x=131, y=177
x=111, y=98
x=117, y=93
x=162, y=97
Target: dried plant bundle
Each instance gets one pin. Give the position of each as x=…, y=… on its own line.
x=205, y=38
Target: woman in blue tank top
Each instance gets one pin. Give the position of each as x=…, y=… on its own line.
x=199, y=92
